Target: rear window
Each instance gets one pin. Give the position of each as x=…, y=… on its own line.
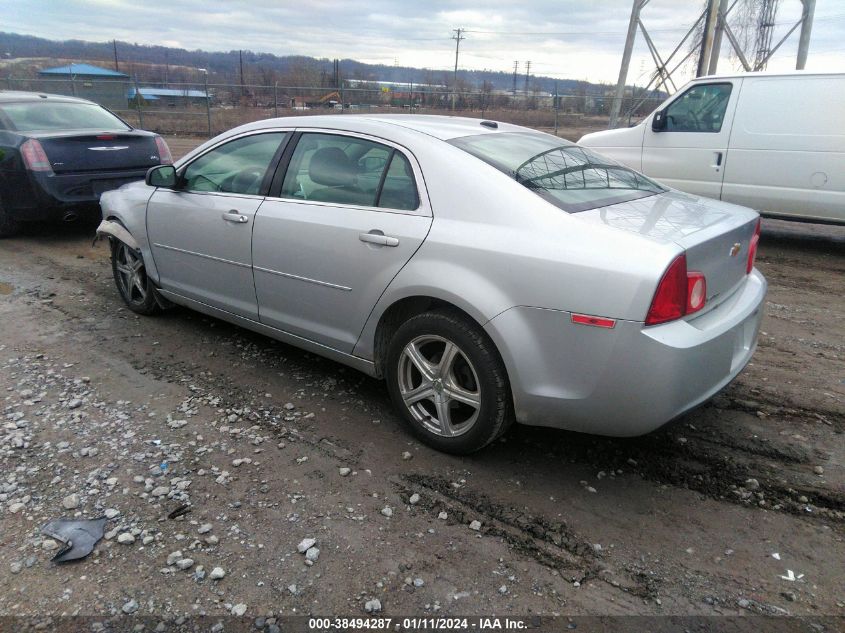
x=570, y=177
x=48, y=116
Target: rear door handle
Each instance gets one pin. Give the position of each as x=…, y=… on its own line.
x=233, y=216
x=377, y=237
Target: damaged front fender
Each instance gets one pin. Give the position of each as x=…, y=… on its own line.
x=116, y=230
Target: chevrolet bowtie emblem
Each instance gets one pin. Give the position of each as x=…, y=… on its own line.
x=735, y=249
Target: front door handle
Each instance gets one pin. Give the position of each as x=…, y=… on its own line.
x=377, y=237
x=233, y=216
x=717, y=160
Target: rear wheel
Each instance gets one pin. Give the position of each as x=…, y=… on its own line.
x=447, y=379
x=9, y=226
x=130, y=276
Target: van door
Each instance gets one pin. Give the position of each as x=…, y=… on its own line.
x=691, y=150
x=788, y=147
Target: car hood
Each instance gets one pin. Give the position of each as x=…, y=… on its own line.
x=623, y=136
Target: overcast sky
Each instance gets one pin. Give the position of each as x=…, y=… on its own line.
x=577, y=39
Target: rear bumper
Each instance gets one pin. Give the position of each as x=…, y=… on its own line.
x=34, y=196
x=628, y=380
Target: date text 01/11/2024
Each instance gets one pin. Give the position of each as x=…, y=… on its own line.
x=417, y=624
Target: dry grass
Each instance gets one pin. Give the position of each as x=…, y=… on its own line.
x=193, y=122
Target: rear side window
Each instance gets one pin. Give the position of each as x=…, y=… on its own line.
x=700, y=109
x=399, y=190
x=47, y=116
x=348, y=170
x=570, y=177
x=238, y=166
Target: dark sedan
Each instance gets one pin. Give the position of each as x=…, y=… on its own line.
x=59, y=154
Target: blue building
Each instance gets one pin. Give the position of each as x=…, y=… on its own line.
x=170, y=97
x=106, y=87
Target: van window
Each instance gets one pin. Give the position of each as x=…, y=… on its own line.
x=700, y=109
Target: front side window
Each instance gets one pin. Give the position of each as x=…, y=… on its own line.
x=700, y=109
x=570, y=177
x=48, y=116
x=238, y=166
x=348, y=170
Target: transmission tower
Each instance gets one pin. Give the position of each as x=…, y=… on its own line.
x=765, y=30
x=712, y=24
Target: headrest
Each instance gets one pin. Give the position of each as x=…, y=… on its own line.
x=331, y=167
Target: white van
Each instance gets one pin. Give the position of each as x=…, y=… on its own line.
x=773, y=142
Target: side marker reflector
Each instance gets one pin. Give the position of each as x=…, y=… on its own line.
x=586, y=319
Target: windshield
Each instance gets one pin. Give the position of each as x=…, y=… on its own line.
x=570, y=177
x=48, y=116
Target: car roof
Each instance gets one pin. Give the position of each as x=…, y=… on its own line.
x=784, y=73
x=437, y=126
x=19, y=96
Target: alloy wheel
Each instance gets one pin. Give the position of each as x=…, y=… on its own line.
x=439, y=385
x=131, y=274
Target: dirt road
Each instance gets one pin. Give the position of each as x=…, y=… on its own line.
x=737, y=508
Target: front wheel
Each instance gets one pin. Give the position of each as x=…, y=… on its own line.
x=446, y=377
x=130, y=276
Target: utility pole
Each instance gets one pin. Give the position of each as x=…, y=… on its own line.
x=717, y=37
x=527, y=75
x=241, y=60
x=116, y=67
x=707, y=37
x=616, y=106
x=515, y=71
x=458, y=38
x=806, y=29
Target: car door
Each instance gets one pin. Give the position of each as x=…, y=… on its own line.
x=201, y=231
x=691, y=151
x=349, y=212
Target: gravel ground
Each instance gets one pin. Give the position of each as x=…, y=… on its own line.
x=306, y=495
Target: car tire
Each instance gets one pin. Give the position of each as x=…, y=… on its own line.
x=9, y=226
x=130, y=276
x=441, y=365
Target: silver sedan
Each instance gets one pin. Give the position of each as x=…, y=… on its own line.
x=488, y=272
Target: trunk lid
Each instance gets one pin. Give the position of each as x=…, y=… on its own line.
x=75, y=152
x=715, y=235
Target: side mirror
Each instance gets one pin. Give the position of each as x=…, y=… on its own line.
x=162, y=176
x=658, y=123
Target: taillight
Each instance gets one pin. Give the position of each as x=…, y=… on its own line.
x=752, y=248
x=678, y=293
x=164, y=154
x=34, y=157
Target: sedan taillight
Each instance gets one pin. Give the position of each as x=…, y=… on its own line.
x=164, y=154
x=679, y=293
x=752, y=248
x=34, y=157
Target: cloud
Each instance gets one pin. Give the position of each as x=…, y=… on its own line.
x=562, y=38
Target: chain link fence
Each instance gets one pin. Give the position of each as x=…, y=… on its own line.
x=204, y=110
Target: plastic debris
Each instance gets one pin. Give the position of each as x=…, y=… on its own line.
x=791, y=577
x=78, y=536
